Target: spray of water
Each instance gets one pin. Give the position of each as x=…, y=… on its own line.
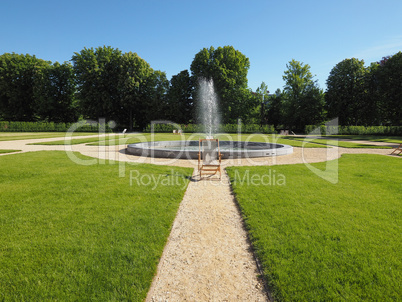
x=208, y=109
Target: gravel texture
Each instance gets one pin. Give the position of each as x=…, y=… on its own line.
x=207, y=256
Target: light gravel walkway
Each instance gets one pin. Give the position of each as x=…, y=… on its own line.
x=207, y=256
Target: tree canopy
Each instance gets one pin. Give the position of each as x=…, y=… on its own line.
x=33, y=89
x=390, y=87
x=228, y=68
x=117, y=86
x=132, y=84
x=97, y=73
x=303, y=100
x=345, y=91
x=104, y=82
x=180, y=105
x=54, y=94
x=361, y=95
x=18, y=76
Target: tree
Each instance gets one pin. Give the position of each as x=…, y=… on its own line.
x=274, y=111
x=302, y=98
x=263, y=93
x=97, y=73
x=346, y=91
x=228, y=68
x=179, y=98
x=132, y=83
x=18, y=75
x=372, y=113
x=390, y=87
x=54, y=94
x=157, y=88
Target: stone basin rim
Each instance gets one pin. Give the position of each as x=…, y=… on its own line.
x=165, y=149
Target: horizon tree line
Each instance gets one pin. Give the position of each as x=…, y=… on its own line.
x=106, y=83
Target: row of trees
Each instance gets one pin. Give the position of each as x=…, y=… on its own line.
x=104, y=82
x=33, y=89
x=101, y=82
x=355, y=94
x=361, y=95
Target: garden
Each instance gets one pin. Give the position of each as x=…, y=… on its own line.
x=71, y=231
x=74, y=232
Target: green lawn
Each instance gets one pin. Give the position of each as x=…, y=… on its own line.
x=8, y=151
x=10, y=136
x=323, y=242
x=339, y=143
x=76, y=141
x=136, y=138
x=372, y=138
x=82, y=233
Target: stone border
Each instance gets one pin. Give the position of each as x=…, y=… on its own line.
x=166, y=149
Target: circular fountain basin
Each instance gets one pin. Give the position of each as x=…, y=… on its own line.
x=190, y=149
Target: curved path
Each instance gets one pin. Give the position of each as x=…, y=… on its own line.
x=207, y=256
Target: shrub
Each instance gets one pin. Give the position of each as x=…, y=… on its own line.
x=49, y=127
x=226, y=128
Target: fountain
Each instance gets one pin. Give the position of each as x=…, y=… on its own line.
x=210, y=117
x=208, y=107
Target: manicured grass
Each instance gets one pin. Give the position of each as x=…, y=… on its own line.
x=273, y=138
x=11, y=136
x=82, y=233
x=8, y=151
x=372, y=138
x=319, y=241
x=74, y=141
x=339, y=143
x=142, y=137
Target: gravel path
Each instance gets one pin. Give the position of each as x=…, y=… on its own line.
x=207, y=256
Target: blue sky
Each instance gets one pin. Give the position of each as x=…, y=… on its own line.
x=168, y=34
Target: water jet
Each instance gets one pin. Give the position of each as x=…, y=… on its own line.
x=210, y=117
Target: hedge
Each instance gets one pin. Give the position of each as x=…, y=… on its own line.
x=50, y=127
x=356, y=130
x=226, y=128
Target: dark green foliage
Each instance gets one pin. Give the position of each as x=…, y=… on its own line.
x=345, y=91
x=133, y=85
x=366, y=96
x=224, y=128
x=390, y=88
x=155, y=98
x=54, y=94
x=180, y=105
x=106, y=83
x=303, y=100
x=119, y=87
x=50, y=127
x=356, y=130
x=18, y=76
x=274, y=109
x=228, y=68
x=97, y=75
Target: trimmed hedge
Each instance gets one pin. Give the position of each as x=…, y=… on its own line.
x=49, y=127
x=356, y=130
x=227, y=128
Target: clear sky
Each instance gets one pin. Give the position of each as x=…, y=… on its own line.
x=168, y=33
